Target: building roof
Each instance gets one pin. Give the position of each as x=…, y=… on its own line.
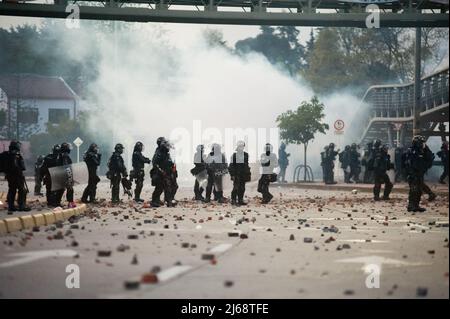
x=33, y=86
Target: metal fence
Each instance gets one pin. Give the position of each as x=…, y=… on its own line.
x=396, y=101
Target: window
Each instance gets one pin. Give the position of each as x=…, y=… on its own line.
x=56, y=116
x=27, y=115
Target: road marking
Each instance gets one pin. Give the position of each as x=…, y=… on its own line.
x=172, y=272
x=30, y=256
x=367, y=261
x=221, y=248
x=364, y=241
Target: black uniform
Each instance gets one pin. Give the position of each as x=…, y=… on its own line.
x=163, y=174
x=416, y=163
x=217, y=167
x=269, y=162
x=51, y=160
x=138, y=162
x=344, y=158
x=443, y=155
x=65, y=160
x=199, y=166
x=283, y=162
x=116, y=171
x=240, y=174
x=368, y=172
x=381, y=164
x=355, y=164
x=330, y=157
x=38, y=176
x=323, y=159
x=92, y=159
x=13, y=168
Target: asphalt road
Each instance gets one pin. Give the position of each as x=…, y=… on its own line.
x=305, y=244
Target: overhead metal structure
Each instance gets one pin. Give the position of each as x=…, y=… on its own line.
x=388, y=105
x=326, y=13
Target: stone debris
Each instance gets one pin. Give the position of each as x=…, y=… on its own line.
x=149, y=278
x=122, y=248
x=291, y=237
x=104, y=253
x=421, y=292
x=207, y=256
x=228, y=283
x=132, y=284
x=307, y=240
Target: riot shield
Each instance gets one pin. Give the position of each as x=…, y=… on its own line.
x=68, y=175
x=202, y=179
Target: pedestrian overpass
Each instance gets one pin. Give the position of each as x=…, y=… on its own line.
x=387, y=110
x=325, y=13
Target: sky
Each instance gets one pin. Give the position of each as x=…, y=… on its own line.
x=179, y=32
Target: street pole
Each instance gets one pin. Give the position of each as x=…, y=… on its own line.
x=417, y=89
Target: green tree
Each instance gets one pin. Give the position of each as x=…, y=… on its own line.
x=279, y=45
x=300, y=126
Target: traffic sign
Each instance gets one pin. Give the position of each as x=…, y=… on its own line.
x=339, y=125
x=78, y=141
x=398, y=126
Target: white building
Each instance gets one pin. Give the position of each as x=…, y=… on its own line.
x=32, y=101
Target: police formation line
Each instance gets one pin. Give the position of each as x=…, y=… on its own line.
x=209, y=171
x=410, y=165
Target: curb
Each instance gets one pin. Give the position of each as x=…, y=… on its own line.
x=13, y=224
x=403, y=190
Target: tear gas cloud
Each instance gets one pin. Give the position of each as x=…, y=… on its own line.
x=150, y=85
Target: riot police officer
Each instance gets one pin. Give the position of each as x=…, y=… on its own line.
x=368, y=172
x=138, y=162
x=269, y=162
x=283, y=162
x=199, y=168
x=344, y=158
x=92, y=158
x=354, y=163
x=429, y=159
x=443, y=155
x=13, y=167
x=416, y=164
x=330, y=157
x=50, y=160
x=240, y=174
x=381, y=164
x=38, y=176
x=65, y=160
x=217, y=167
x=116, y=171
x=163, y=174
x=323, y=159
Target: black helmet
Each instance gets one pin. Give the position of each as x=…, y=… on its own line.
x=418, y=141
x=93, y=147
x=119, y=148
x=14, y=145
x=269, y=148
x=347, y=147
x=331, y=145
x=56, y=149
x=138, y=147
x=160, y=140
x=65, y=147
x=377, y=143
x=354, y=146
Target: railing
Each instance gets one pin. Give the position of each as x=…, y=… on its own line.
x=397, y=100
